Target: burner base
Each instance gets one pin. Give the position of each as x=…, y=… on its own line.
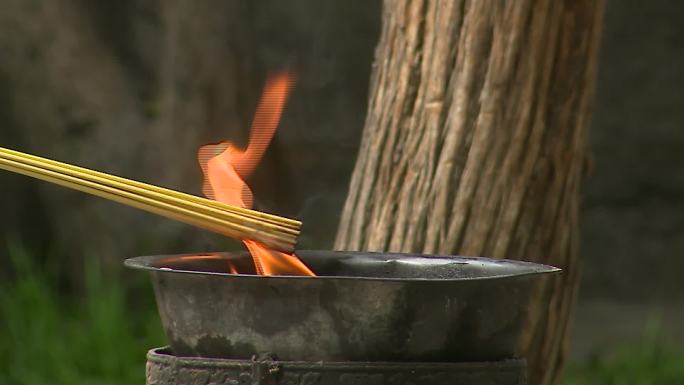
x=163, y=368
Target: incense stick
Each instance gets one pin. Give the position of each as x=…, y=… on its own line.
x=189, y=197
x=273, y=231
x=150, y=205
x=176, y=198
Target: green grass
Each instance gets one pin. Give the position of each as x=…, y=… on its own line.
x=645, y=361
x=52, y=338
x=49, y=335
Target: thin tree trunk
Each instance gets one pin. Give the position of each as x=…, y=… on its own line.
x=474, y=142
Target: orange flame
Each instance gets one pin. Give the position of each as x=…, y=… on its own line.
x=225, y=167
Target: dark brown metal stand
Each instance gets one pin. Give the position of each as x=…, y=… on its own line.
x=163, y=368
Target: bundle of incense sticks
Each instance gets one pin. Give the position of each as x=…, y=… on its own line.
x=273, y=231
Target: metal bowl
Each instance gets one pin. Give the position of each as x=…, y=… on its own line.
x=361, y=307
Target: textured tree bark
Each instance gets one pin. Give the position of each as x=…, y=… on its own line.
x=474, y=142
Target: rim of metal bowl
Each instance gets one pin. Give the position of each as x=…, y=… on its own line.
x=530, y=268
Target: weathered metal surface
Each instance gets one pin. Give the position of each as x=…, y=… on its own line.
x=362, y=307
x=166, y=369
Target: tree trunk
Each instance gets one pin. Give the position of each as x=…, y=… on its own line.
x=474, y=142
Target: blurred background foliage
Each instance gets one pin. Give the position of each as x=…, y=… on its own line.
x=51, y=336
x=133, y=87
x=652, y=358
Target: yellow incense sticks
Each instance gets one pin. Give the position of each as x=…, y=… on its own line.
x=274, y=231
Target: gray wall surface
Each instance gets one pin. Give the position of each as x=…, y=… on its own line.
x=632, y=218
x=134, y=87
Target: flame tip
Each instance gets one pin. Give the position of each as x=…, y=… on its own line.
x=225, y=167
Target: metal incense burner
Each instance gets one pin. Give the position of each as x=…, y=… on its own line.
x=362, y=307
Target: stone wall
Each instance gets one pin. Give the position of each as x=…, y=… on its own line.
x=632, y=218
x=134, y=87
